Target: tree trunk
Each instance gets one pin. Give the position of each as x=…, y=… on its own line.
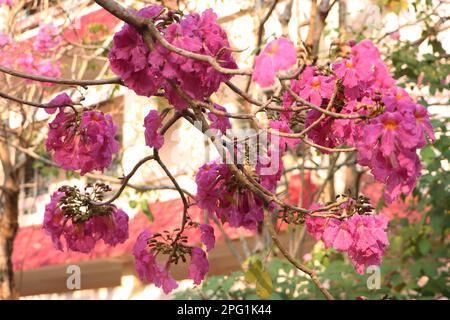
x=8, y=231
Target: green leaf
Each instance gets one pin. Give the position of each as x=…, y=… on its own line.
x=428, y=154
x=256, y=274
x=146, y=209
x=132, y=204
x=97, y=27
x=424, y=246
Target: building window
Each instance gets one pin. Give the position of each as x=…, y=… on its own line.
x=35, y=183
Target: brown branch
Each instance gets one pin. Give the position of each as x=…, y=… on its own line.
x=73, y=82
x=263, y=22
x=21, y=101
x=124, y=182
x=312, y=274
x=176, y=185
x=317, y=108
x=140, y=188
x=34, y=104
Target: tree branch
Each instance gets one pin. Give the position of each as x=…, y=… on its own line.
x=74, y=82
x=291, y=259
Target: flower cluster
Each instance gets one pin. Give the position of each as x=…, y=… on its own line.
x=83, y=142
x=146, y=71
x=39, y=66
x=34, y=56
x=47, y=38
x=390, y=128
x=129, y=57
x=147, y=267
x=218, y=192
x=363, y=237
x=69, y=215
x=146, y=250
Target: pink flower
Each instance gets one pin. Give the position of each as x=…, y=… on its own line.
x=394, y=125
x=145, y=262
x=87, y=145
x=358, y=69
x=147, y=71
x=129, y=57
x=208, y=182
x=47, y=38
x=218, y=193
x=113, y=229
x=281, y=126
x=54, y=220
x=279, y=54
x=307, y=257
x=347, y=131
x=337, y=234
x=322, y=133
x=82, y=234
x=26, y=62
x=382, y=77
x=368, y=231
x=394, y=35
x=199, y=265
x=399, y=171
x=365, y=50
x=165, y=280
x=240, y=208
x=402, y=176
x=4, y=40
x=152, y=123
x=398, y=99
x=363, y=237
x=370, y=241
x=48, y=68
x=296, y=86
x=207, y=236
x=60, y=101
x=351, y=72
x=264, y=73
x=200, y=34
x=80, y=237
x=269, y=165
x=423, y=125
x=6, y=2
x=317, y=88
x=315, y=225
x=393, y=131
x=147, y=268
x=218, y=122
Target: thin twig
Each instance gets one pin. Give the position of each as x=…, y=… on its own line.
x=291, y=259
x=115, y=80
